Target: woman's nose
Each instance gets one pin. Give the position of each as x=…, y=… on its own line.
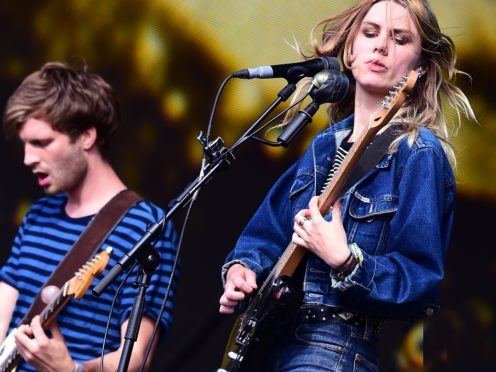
x=381, y=45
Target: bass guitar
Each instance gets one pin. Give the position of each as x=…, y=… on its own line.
x=75, y=287
x=277, y=294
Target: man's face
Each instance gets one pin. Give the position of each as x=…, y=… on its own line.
x=59, y=163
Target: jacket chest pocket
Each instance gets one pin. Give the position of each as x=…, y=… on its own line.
x=306, y=184
x=369, y=220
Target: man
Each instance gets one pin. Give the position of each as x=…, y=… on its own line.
x=64, y=118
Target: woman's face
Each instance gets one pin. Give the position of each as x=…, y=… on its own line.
x=385, y=49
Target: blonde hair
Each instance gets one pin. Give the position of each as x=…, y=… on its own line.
x=334, y=36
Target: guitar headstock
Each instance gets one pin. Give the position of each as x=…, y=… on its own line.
x=396, y=97
x=80, y=283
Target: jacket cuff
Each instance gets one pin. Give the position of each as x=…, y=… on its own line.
x=361, y=276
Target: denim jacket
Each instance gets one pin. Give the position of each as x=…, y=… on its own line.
x=399, y=214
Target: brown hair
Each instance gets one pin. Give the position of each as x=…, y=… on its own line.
x=70, y=100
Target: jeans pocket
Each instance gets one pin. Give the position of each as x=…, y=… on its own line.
x=315, y=335
x=361, y=364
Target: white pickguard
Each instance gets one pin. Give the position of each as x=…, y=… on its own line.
x=6, y=350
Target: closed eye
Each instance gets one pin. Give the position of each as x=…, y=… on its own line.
x=370, y=32
x=41, y=143
x=401, y=38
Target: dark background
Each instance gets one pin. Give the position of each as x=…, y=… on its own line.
x=166, y=61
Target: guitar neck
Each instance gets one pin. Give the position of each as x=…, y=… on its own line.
x=55, y=305
x=294, y=254
x=75, y=287
x=275, y=295
x=9, y=356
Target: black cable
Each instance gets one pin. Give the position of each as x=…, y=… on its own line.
x=166, y=296
x=216, y=101
x=252, y=135
x=110, y=314
x=186, y=218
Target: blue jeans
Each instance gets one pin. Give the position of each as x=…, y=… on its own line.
x=327, y=346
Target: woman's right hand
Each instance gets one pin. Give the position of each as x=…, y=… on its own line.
x=240, y=281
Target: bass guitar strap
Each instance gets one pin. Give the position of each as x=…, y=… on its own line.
x=100, y=227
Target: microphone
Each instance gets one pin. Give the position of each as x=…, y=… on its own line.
x=327, y=86
x=290, y=71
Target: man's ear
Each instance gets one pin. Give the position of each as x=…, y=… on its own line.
x=88, y=138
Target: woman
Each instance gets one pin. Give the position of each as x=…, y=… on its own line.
x=379, y=252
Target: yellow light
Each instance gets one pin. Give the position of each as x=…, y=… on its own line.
x=174, y=105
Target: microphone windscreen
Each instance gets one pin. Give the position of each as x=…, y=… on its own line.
x=331, y=63
x=333, y=89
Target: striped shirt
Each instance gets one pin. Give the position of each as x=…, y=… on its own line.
x=45, y=236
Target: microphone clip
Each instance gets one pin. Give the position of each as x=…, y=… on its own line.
x=215, y=150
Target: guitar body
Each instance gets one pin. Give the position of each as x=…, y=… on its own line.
x=277, y=295
x=8, y=356
x=270, y=311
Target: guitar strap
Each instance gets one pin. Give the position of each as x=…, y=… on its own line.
x=371, y=156
x=87, y=244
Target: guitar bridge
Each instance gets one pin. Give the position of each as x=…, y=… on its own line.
x=245, y=333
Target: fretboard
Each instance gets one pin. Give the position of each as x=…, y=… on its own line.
x=9, y=356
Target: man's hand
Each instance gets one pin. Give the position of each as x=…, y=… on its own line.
x=43, y=353
x=240, y=281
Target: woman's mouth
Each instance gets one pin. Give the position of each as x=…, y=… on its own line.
x=377, y=66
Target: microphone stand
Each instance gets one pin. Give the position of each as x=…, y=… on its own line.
x=144, y=252
x=148, y=259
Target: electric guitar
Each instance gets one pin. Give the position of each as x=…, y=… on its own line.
x=75, y=287
x=277, y=294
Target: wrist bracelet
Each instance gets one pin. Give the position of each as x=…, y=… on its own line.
x=340, y=267
x=343, y=273
x=356, y=252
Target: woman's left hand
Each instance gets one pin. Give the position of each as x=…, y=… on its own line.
x=325, y=239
